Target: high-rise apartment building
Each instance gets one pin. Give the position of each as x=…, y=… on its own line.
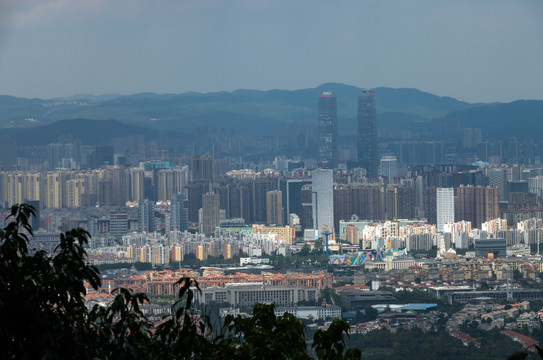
x=497, y=177
x=179, y=212
x=146, y=221
x=8, y=151
x=444, y=207
x=136, y=184
x=476, y=204
x=169, y=182
x=367, y=132
x=210, y=213
x=74, y=189
x=54, y=190
x=274, y=207
x=118, y=223
x=202, y=168
x=328, y=130
x=389, y=167
x=292, y=200
x=322, y=185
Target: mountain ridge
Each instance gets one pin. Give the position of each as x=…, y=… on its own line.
x=247, y=110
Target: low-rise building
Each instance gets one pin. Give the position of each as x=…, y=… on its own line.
x=311, y=312
x=250, y=294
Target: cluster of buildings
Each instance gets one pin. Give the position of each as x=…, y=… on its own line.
x=236, y=289
x=161, y=249
x=490, y=315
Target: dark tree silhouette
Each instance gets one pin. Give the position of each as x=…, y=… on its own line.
x=44, y=316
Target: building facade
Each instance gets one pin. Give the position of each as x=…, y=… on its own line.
x=323, y=198
x=210, y=213
x=328, y=130
x=367, y=132
x=444, y=207
x=274, y=207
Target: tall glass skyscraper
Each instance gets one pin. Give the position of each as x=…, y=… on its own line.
x=328, y=133
x=367, y=132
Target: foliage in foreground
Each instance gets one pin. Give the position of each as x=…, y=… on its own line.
x=44, y=315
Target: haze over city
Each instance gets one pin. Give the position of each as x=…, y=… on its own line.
x=483, y=51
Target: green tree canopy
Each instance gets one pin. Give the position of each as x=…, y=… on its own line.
x=44, y=314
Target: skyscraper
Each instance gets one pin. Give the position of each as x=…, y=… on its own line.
x=328, y=133
x=367, y=132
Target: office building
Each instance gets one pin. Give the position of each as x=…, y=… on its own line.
x=444, y=207
x=306, y=197
x=367, y=132
x=328, y=130
x=252, y=293
x=490, y=248
x=322, y=185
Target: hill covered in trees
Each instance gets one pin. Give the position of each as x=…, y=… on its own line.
x=255, y=111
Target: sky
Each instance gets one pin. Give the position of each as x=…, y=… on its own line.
x=472, y=50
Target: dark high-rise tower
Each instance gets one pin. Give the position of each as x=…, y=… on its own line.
x=328, y=133
x=179, y=213
x=367, y=132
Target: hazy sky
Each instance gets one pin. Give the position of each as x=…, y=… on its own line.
x=476, y=50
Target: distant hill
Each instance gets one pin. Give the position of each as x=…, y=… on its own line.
x=250, y=111
x=90, y=132
x=522, y=119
